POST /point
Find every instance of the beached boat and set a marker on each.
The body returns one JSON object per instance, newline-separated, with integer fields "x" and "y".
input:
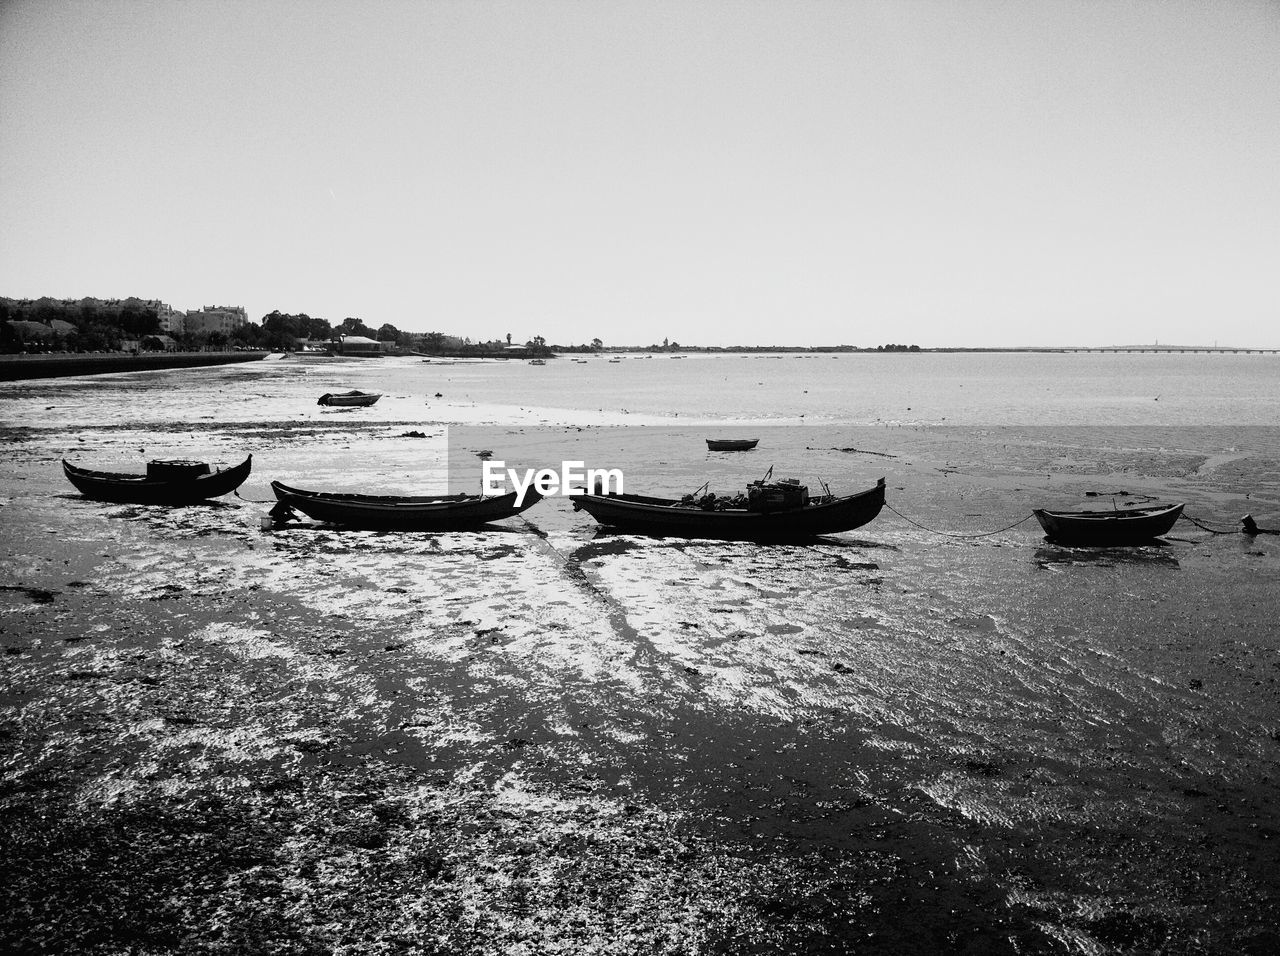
{"x": 732, "y": 444}
{"x": 825, "y": 514}
{"x": 351, "y": 399}
{"x": 403, "y": 512}
{"x": 165, "y": 482}
{"x": 1102, "y": 528}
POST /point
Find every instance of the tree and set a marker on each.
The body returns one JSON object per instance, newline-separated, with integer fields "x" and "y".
{"x": 508, "y": 338}
{"x": 597, "y": 344}
{"x": 280, "y": 331}
{"x": 314, "y": 328}
{"x": 353, "y": 326}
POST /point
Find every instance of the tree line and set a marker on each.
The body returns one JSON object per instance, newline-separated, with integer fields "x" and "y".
{"x": 108, "y": 325}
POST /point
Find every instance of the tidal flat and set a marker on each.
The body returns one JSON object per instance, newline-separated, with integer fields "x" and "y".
{"x": 217, "y": 737}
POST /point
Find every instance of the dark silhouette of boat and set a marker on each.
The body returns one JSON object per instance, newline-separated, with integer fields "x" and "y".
{"x": 1102, "y": 528}
{"x": 402, "y": 512}
{"x": 672, "y": 517}
{"x": 165, "y": 482}
{"x": 351, "y": 399}
{"x": 732, "y": 444}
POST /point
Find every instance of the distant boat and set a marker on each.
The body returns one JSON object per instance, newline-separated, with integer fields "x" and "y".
{"x": 165, "y": 483}
{"x": 732, "y": 444}
{"x": 672, "y": 517}
{"x": 537, "y": 361}
{"x": 351, "y": 399}
{"x": 1103, "y": 528}
{"x": 402, "y": 512}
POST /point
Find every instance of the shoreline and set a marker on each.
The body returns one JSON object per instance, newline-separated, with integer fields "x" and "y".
{"x": 19, "y": 367}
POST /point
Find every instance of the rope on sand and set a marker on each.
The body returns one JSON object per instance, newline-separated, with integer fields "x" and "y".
{"x": 1250, "y": 528}
{"x": 952, "y": 534}
{"x": 1204, "y": 527}
{"x": 255, "y": 501}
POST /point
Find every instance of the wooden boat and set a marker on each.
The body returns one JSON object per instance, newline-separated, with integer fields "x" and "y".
{"x": 165, "y": 483}
{"x": 826, "y": 514}
{"x": 732, "y": 444}
{"x": 1100, "y": 528}
{"x": 403, "y": 512}
{"x": 351, "y": 399}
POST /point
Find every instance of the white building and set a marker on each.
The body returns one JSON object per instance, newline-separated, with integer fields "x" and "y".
{"x": 172, "y": 322}
{"x": 215, "y": 318}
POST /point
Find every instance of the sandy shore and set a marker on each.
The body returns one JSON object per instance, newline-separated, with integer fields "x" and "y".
{"x": 215, "y": 738}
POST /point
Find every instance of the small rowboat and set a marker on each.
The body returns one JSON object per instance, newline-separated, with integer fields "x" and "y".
{"x": 402, "y": 512}
{"x": 732, "y": 444}
{"x": 351, "y": 399}
{"x": 826, "y": 514}
{"x": 165, "y": 483}
{"x": 1100, "y": 528}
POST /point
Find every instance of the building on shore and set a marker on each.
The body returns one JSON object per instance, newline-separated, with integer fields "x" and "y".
{"x": 172, "y": 321}
{"x": 215, "y": 318}
{"x": 357, "y": 345}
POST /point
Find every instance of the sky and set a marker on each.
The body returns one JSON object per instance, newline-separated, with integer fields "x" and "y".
{"x": 976, "y": 173}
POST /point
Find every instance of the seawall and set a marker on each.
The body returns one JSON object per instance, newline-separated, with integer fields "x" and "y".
{"x": 15, "y": 367}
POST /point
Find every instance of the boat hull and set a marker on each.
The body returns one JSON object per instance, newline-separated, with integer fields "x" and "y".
{"x": 732, "y": 444}
{"x": 402, "y": 512}
{"x": 349, "y": 399}
{"x": 142, "y": 490}
{"x": 1103, "y": 529}
{"x": 663, "y": 517}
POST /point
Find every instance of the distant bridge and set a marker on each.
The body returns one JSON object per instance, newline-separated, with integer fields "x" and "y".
{"x": 1122, "y": 348}
{"x": 1160, "y": 348}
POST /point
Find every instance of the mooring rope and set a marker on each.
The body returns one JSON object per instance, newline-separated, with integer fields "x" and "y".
{"x": 1202, "y": 527}
{"x": 1249, "y": 527}
{"x": 952, "y": 534}
{"x": 254, "y": 501}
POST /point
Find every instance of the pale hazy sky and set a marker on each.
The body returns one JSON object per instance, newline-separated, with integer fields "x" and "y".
{"x": 807, "y": 172}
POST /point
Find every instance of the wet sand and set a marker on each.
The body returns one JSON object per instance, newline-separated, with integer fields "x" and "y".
{"x": 217, "y": 738}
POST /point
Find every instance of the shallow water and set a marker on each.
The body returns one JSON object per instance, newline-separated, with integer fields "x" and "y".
{"x": 912, "y": 741}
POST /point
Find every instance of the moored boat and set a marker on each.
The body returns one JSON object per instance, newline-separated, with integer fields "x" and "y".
{"x": 165, "y": 482}
{"x": 403, "y": 512}
{"x": 673, "y": 517}
{"x": 351, "y": 399}
{"x": 1103, "y": 528}
{"x": 732, "y": 444}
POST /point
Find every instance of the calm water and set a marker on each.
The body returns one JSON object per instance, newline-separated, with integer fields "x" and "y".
{"x": 959, "y": 389}
{"x": 985, "y": 389}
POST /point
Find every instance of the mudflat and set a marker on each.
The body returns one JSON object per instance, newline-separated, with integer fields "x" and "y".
{"x": 216, "y": 737}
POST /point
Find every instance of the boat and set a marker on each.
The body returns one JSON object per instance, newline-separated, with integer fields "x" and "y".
{"x": 682, "y": 518}
{"x": 1100, "y": 528}
{"x": 537, "y": 361}
{"x": 165, "y": 482}
{"x": 400, "y": 512}
{"x": 351, "y": 399}
{"x": 732, "y": 444}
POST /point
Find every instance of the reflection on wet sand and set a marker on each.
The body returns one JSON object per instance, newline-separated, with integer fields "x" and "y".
{"x": 1155, "y": 553}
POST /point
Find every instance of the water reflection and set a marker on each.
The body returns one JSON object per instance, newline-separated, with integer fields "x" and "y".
{"x": 1155, "y": 554}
